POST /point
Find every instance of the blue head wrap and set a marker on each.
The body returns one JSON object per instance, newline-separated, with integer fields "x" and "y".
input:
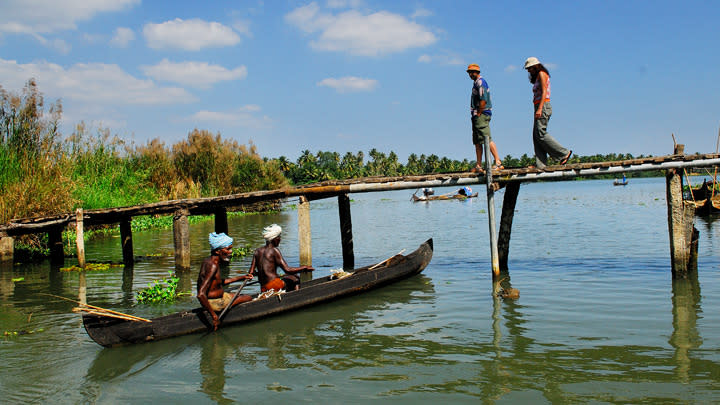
{"x": 468, "y": 191}
{"x": 219, "y": 240}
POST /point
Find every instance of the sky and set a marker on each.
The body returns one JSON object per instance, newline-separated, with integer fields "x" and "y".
{"x": 352, "y": 75}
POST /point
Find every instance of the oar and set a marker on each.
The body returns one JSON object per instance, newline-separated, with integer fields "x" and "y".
{"x": 385, "y": 261}
{"x": 220, "y": 317}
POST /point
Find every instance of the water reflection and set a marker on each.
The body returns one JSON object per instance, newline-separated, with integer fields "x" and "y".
{"x": 685, "y": 336}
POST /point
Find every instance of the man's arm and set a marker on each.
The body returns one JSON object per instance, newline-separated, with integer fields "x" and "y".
{"x": 209, "y": 274}
{"x": 543, "y": 77}
{"x": 280, "y": 260}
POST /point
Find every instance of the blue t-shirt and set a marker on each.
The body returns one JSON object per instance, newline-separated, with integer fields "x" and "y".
{"x": 480, "y": 91}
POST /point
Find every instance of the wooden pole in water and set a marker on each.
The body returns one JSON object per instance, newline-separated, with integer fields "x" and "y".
{"x": 7, "y": 247}
{"x": 126, "y": 240}
{"x": 57, "y": 255}
{"x": 80, "y": 237}
{"x": 181, "y": 237}
{"x": 491, "y": 211}
{"x": 304, "y": 233}
{"x": 508, "y": 212}
{"x": 221, "y": 221}
{"x": 346, "y": 236}
{"x": 680, "y": 223}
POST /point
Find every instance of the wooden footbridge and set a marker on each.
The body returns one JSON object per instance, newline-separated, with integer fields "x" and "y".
{"x": 680, "y": 214}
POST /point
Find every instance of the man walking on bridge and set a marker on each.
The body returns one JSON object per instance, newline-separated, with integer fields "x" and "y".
{"x": 480, "y": 114}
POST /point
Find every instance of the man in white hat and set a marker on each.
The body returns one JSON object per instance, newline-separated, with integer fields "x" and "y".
{"x": 543, "y": 143}
{"x": 268, "y": 258}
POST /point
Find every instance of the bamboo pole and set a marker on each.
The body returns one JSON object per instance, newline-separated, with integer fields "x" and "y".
{"x": 304, "y": 232}
{"x": 80, "y": 237}
{"x": 133, "y": 317}
{"x": 491, "y": 211}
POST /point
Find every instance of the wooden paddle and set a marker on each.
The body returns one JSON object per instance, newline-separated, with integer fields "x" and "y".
{"x": 220, "y": 317}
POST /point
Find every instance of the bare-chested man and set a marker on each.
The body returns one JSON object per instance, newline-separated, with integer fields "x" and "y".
{"x": 210, "y": 291}
{"x": 268, "y": 258}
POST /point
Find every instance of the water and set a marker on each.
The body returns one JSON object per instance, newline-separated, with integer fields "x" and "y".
{"x": 599, "y": 319}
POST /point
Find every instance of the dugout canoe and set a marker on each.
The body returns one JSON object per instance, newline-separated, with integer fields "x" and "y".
{"x": 415, "y": 198}
{"x": 111, "y": 332}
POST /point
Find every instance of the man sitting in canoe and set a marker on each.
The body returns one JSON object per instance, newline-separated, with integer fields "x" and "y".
{"x": 210, "y": 291}
{"x": 268, "y": 258}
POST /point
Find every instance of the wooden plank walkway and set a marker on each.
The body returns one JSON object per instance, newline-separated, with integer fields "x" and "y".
{"x": 333, "y": 188}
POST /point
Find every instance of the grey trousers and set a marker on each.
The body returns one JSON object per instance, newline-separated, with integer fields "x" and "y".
{"x": 542, "y": 141}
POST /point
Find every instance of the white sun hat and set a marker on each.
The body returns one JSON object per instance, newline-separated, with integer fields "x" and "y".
{"x": 531, "y": 61}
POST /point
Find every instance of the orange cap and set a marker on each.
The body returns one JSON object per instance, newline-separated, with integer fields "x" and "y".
{"x": 473, "y": 67}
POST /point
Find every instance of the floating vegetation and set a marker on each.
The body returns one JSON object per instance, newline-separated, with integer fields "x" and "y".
{"x": 15, "y": 280}
{"x": 241, "y": 251}
{"x": 93, "y": 266}
{"x": 12, "y": 334}
{"x": 160, "y": 291}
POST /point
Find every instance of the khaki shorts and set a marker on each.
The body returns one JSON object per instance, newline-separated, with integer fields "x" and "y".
{"x": 480, "y": 128}
{"x": 218, "y": 304}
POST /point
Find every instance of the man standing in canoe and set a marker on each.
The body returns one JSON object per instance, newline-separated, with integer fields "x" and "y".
{"x": 268, "y": 258}
{"x": 210, "y": 290}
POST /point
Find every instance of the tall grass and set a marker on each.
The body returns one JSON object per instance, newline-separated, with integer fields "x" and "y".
{"x": 43, "y": 173}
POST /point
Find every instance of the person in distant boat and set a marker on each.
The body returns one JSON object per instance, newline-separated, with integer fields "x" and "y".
{"x": 210, "y": 290}
{"x": 480, "y": 114}
{"x": 543, "y": 143}
{"x": 268, "y": 258}
{"x": 465, "y": 191}
{"x": 427, "y": 192}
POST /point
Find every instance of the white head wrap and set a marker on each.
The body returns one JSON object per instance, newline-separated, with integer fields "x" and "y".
{"x": 271, "y": 232}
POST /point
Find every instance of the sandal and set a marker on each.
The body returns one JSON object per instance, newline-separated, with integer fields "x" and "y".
{"x": 498, "y": 167}
{"x": 566, "y": 158}
{"x": 478, "y": 169}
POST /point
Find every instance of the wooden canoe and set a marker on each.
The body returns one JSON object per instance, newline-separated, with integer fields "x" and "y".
{"x": 110, "y": 332}
{"x": 415, "y": 198}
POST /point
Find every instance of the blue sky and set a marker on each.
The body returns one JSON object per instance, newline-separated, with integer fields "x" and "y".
{"x": 351, "y": 75}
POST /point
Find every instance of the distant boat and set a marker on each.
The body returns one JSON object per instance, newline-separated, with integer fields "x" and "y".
{"x": 461, "y": 194}
{"x": 622, "y": 182}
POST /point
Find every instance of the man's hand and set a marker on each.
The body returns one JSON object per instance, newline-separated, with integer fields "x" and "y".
{"x": 216, "y": 322}
{"x": 538, "y": 113}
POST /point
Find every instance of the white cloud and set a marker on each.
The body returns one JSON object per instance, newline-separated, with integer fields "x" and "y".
{"x": 195, "y": 74}
{"x": 47, "y": 16}
{"x": 90, "y": 83}
{"x": 122, "y": 37}
{"x": 421, "y": 12}
{"x": 247, "y": 116}
{"x": 442, "y": 59}
{"x": 349, "y": 84}
{"x": 511, "y": 68}
{"x": 344, "y": 3}
{"x": 189, "y": 35}
{"x": 359, "y": 34}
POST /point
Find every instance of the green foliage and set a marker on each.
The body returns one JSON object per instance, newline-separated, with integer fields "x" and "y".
{"x": 160, "y": 291}
{"x": 241, "y": 251}
{"x": 93, "y": 266}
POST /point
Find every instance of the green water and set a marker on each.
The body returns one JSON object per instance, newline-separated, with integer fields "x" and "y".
{"x": 599, "y": 319}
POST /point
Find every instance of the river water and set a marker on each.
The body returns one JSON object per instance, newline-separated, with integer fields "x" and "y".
{"x": 599, "y": 318}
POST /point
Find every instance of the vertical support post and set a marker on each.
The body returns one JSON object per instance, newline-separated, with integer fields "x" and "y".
{"x": 181, "y": 237}
{"x": 506, "y": 219}
{"x": 80, "y": 237}
{"x": 221, "y": 221}
{"x": 7, "y": 247}
{"x": 57, "y": 256}
{"x": 304, "y": 234}
{"x": 82, "y": 288}
{"x": 680, "y": 224}
{"x": 126, "y": 241}
{"x": 491, "y": 211}
{"x": 346, "y": 235}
